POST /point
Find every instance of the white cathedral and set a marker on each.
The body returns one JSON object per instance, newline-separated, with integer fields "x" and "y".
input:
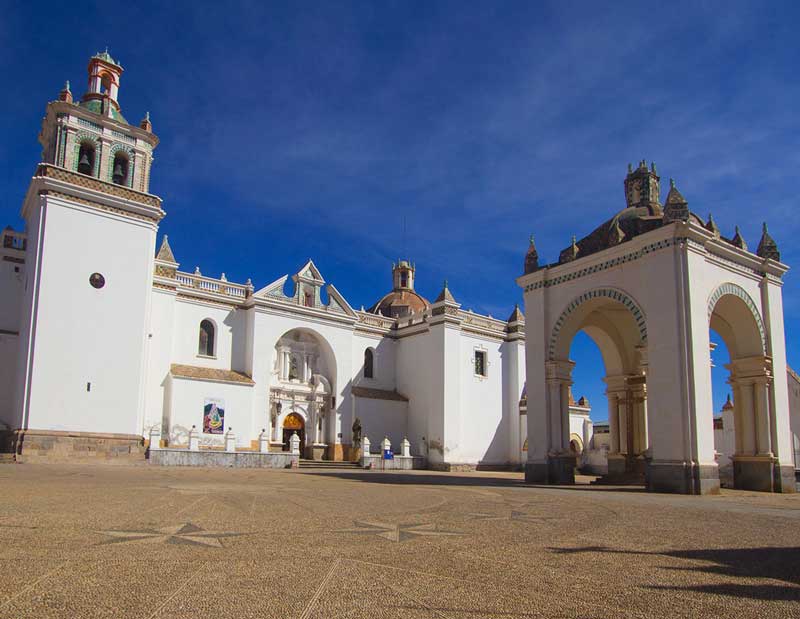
{"x": 106, "y": 345}
{"x": 104, "y": 338}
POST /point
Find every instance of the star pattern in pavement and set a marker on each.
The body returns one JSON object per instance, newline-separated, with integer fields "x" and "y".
{"x": 517, "y": 515}
{"x": 397, "y": 532}
{"x": 185, "y": 533}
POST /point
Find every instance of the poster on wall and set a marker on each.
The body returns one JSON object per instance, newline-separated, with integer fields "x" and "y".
{"x": 214, "y": 416}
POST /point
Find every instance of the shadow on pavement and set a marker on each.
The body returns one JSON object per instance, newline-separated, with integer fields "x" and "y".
{"x": 781, "y": 564}
{"x": 454, "y": 479}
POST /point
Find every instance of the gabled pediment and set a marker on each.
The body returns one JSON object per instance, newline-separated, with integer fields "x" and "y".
{"x": 275, "y": 289}
{"x": 337, "y": 303}
{"x": 310, "y": 273}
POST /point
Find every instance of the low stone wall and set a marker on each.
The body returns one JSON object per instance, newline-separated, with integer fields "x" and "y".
{"x": 226, "y": 459}
{"x": 398, "y": 463}
{"x": 466, "y": 467}
{"x": 62, "y": 447}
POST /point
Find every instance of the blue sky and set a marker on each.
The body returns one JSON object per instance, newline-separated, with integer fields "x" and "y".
{"x": 296, "y": 130}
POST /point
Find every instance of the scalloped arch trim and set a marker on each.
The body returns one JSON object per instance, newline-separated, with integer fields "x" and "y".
{"x": 738, "y": 291}
{"x": 609, "y": 293}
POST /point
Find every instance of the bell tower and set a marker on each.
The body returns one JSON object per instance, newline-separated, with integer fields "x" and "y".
{"x": 91, "y": 225}
{"x": 104, "y": 74}
{"x": 403, "y": 275}
{"x": 642, "y": 188}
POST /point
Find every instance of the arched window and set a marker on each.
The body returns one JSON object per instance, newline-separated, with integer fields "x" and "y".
{"x": 86, "y": 158}
{"x": 369, "y": 363}
{"x": 119, "y": 173}
{"x": 206, "y": 347}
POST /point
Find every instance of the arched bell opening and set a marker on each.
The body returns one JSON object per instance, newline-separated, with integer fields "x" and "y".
{"x": 616, "y": 325}
{"x": 735, "y": 319}
{"x": 87, "y": 154}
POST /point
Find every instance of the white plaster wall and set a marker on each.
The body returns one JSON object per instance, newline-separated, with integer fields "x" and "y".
{"x": 11, "y": 287}
{"x": 513, "y": 362}
{"x": 380, "y": 418}
{"x": 421, "y": 381}
{"x": 84, "y": 335}
{"x": 794, "y": 409}
{"x": 159, "y": 357}
{"x": 8, "y": 372}
{"x": 187, "y": 399}
{"x": 385, "y": 350}
{"x": 186, "y": 336}
{"x": 483, "y": 436}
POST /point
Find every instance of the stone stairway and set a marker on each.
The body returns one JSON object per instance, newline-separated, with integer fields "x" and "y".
{"x": 328, "y": 464}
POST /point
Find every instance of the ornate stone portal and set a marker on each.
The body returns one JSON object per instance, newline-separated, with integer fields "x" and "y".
{"x": 647, "y": 286}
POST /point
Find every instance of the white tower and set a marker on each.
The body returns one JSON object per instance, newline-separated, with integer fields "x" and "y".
{"x": 91, "y": 227}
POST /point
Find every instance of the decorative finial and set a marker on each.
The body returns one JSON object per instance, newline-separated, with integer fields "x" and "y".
{"x": 197, "y": 271}
{"x": 767, "y": 247}
{"x": 532, "y": 243}
{"x": 573, "y": 239}
{"x": 66, "y": 85}
{"x": 445, "y": 283}
{"x": 671, "y": 183}
{"x": 147, "y": 115}
{"x": 653, "y": 167}
{"x": 630, "y": 168}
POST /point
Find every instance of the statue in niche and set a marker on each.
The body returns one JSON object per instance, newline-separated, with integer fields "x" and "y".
{"x": 293, "y": 372}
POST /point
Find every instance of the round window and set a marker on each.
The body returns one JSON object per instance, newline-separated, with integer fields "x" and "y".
{"x": 97, "y": 280}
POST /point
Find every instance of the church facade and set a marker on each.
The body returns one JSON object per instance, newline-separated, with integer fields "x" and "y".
{"x": 105, "y": 339}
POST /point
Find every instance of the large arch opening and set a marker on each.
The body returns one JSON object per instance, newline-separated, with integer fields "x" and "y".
{"x": 303, "y": 383}
{"x": 735, "y": 321}
{"x": 616, "y": 325}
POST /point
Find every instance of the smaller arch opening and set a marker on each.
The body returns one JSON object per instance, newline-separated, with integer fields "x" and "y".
{"x": 369, "y": 363}
{"x": 86, "y": 157}
{"x": 105, "y": 83}
{"x": 119, "y": 171}
{"x": 207, "y": 338}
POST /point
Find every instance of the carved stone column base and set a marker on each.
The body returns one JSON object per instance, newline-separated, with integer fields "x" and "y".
{"x": 682, "y": 477}
{"x": 558, "y": 470}
{"x": 762, "y": 474}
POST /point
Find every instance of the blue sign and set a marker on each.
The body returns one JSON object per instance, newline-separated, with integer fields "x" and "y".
{"x": 387, "y": 454}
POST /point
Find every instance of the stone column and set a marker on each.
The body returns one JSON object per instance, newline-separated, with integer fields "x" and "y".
{"x": 613, "y": 421}
{"x": 763, "y": 431}
{"x": 276, "y": 413}
{"x": 561, "y": 461}
{"x": 747, "y": 417}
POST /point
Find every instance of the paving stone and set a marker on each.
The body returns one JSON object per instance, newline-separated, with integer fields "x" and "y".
{"x": 146, "y": 542}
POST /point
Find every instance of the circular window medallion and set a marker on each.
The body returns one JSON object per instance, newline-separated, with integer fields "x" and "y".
{"x": 97, "y": 280}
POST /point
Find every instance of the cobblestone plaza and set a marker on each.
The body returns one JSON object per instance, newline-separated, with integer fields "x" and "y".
{"x": 146, "y": 542}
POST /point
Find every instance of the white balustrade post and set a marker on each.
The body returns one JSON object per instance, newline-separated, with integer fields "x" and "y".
{"x": 155, "y": 438}
{"x": 263, "y": 441}
{"x": 194, "y": 439}
{"x": 230, "y": 440}
{"x": 405, "y": 448}
{"x": 294, "y": 444}
{"x": 364, "y": 446}
{"x": 386, "y": 444}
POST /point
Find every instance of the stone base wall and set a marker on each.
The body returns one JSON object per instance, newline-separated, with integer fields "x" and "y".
{"x": 398, "y": 463}
{"x": 468, "y": 467}
{"x": 682, "y": 477}
{"x": 56, "y": 447}
{"x": 224, "y": 459}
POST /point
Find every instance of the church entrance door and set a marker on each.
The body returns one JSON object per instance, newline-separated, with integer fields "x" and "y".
{"x": 293, "y": 423}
